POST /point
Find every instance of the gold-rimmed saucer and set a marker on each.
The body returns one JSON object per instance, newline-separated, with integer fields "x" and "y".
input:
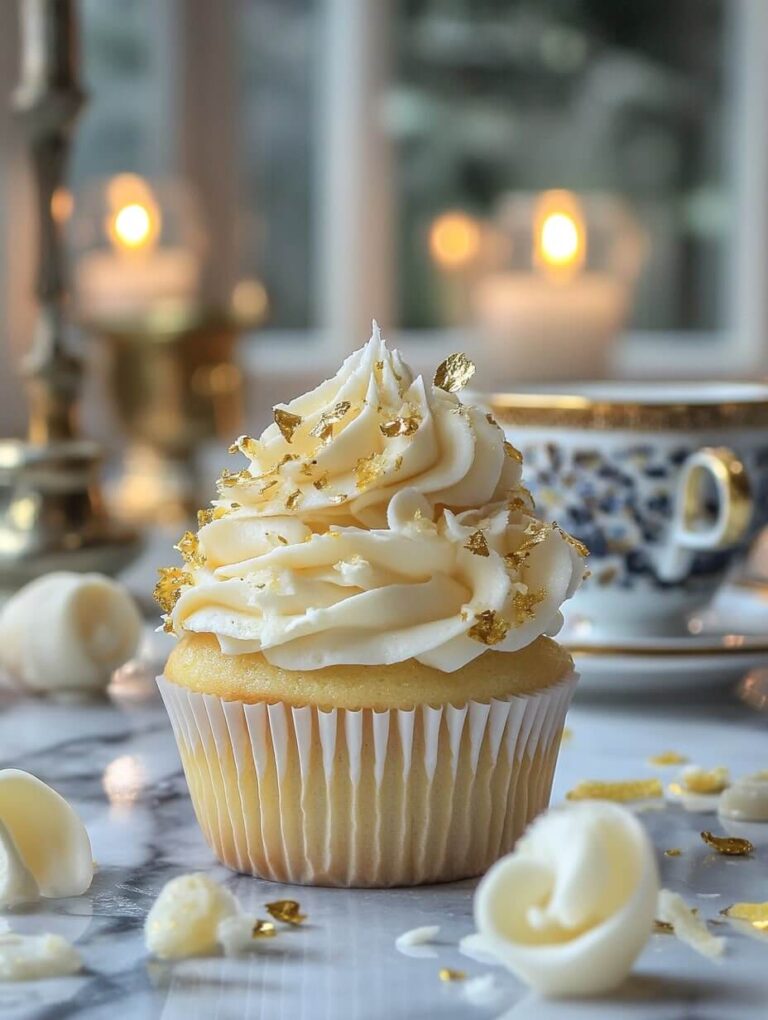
{"x": 689, "y": 663}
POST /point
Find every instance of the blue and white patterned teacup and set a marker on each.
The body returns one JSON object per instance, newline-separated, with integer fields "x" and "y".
{"x": 665, "y": 484}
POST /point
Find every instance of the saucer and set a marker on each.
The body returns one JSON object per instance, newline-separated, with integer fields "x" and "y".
{"x": 679, "y": 665}
{"x": 716, "y": 654}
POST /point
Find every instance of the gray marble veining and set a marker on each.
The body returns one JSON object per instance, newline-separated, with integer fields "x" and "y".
{"x": 116, "y": 762}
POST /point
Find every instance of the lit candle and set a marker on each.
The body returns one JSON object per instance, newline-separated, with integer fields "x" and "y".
{"x": 136, "y": 273}
{"x": 557, "y": 319}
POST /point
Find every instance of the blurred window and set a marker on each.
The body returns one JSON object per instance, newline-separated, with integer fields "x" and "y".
{"x": 486, "y": 97}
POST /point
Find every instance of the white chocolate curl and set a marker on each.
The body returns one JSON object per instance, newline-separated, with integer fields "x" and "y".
{"x": 571, "y": 908}
{"x": 68, "y": 631}
{"x": 413, "y": 554}
{"x": 44, "y": 848}
{"x": 185, "y": 918}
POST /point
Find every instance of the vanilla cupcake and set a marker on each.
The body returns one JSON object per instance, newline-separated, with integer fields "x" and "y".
{"x": 364, "y": 693}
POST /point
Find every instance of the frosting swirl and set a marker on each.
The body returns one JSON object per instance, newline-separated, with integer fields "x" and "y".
{"x": 379, "y": 520}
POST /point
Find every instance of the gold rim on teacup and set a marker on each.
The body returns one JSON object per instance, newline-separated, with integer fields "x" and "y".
{"x": 662, "y": 406}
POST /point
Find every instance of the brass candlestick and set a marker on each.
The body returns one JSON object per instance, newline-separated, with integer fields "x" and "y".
{"x": 52, "y": 516}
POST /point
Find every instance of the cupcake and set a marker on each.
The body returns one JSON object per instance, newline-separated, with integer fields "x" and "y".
{"x": 364, "y": 692}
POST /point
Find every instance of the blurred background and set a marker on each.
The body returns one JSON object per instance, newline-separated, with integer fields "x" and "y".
{"x": 562, "y": 188}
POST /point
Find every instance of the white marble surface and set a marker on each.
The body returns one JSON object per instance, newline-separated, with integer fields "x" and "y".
{"x": 117, "y": 763}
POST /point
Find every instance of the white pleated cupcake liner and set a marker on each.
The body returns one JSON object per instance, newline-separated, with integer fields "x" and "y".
{"x": 366, "y": 798}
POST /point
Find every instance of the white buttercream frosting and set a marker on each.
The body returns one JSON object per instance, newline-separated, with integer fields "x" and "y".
{"x": 67, "y": 631}
{"x": 44, "y": 847}
{"x": 381, "y": 520}
{"x": 572, "y": 907}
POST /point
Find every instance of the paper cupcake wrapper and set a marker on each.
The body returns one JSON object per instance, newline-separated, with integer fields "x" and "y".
{"x": 366, "y": 798}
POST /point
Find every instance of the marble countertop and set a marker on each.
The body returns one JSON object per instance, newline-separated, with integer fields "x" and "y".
{"x": 117, "y": 763}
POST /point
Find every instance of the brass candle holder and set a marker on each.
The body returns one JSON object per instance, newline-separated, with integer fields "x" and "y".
{"x": 174, "y": 384}
{"x": 52, "y": 514}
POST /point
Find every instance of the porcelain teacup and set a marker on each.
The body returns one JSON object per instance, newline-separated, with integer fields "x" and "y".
{"x": 665, "y": 484}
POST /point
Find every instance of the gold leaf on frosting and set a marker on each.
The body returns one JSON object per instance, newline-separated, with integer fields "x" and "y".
{"x": 189, "y": 547}
{"x": 368, "y": 469}
{"x": 286, "y": 422}
{"x": 340, "y": 497}
{"x": 323, "y": 430}
{"x": 287, "y": 911}
{"x": 489, "y": 628}
{"x": 321, "y": 482}
{"x": 524, "y": 604}
{"x": 674, "y": 851}
{"x": 246, "y": 444}
{"x": 405, "y": 426}
{"x": 574, "y": 543}
{"x": 214, "y": 513}
{"x": 512, "y": 452}
{"x": 729, "y": 846}
{"x": 621, "y": 791}
{"x": 454, "y": 373}
{"x": 477, "y": 544}
{"x": 707, "y": 781}
{"x": 292, "y": 500}
{"x": 168, "y": 588}
{"x": 229, "y": 479}
{"x": 269, "y": 485}
{"x": 285, "y": 459}
{"x": 263, "y": 929}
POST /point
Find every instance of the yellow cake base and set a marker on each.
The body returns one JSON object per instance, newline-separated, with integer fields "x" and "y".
{"x": 368, "y": 796}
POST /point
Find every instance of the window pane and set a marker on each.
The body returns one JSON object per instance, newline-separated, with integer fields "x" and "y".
{"x": 627, "y": 98}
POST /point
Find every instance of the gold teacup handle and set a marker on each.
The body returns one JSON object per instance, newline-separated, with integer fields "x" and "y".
{"x": 691, "y": 531}
{"x": 734, "y": 500}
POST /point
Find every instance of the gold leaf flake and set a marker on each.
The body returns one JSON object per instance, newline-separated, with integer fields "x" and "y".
{"x": 323, "y": 430}
{"x": 449, "y": 974}
{"x": 306, "y": 468}
{"x": 710, "y": 781}
{"x": 574, "y": 543}
{"x": 454, "y": 373}
{"x": 663, "y": 928}
{"x": 285, "y": 459}
{"x": 340, "y": 497}
{"x": 512, "y": 452}
{"x": 489, "y": 628}
{"x": 397, "y": 463}
{"x": 621, "y": 791}
{"x": 477, "y": 544}
{"x": 268, "y": 485}
{"x": 287, "y": 911}
{"x": 229, "y": 479}
{"x": 292, "y": 500}
{"x": 168, "y": 588}
{"x": 263, "y": 929}
{"x": 524, "y": 604}
{"x": 667, "y": 758}
{"x": 321, "y": 482}
{"x": 491, "y": 420}
{"x": 755, "y": 913}
{"x": 286, "y": 422}
{"x": 189, "y": 547}
{"x": 729, "y": 846}
{"x": 247, "y": 445}
{"x": 167, "y": 625}
{"x": 674, "y": 851}
{"x": 368, "y": 469}
{"x": 400, "y": 426}
{"x": 214, "y": 513}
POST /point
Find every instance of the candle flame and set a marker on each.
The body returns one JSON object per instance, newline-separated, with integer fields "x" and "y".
{"x": 559, "y": 234}
{"x": 133, "y": 221}
{"x": 133, "y": 225}
{"x": 454, "y": 239}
